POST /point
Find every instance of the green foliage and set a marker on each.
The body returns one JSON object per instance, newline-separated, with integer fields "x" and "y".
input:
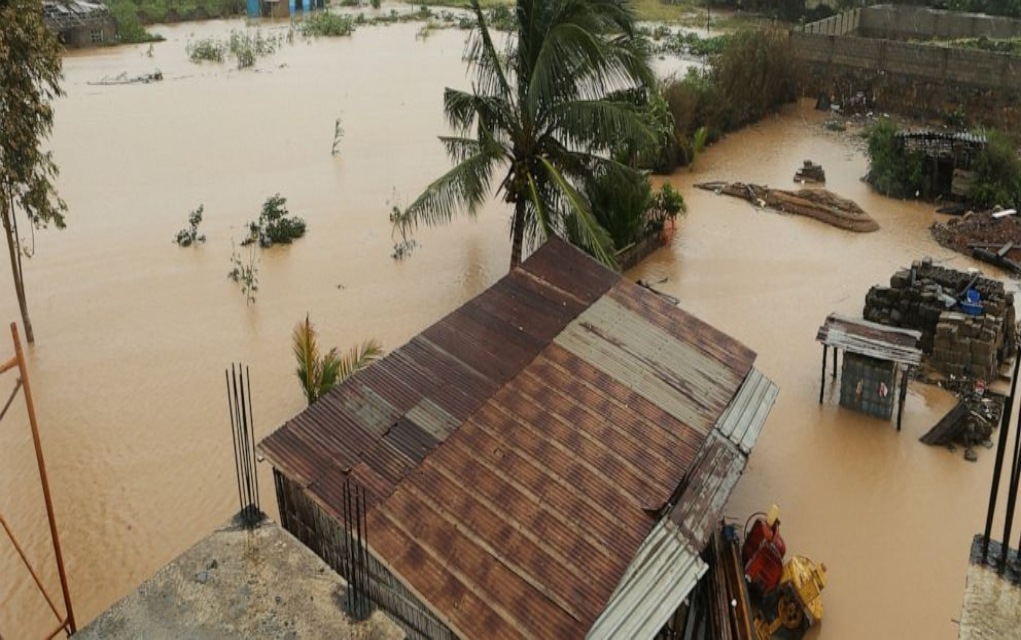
{"x": 756, "y": 73}
{"x": 30, "y": 67}
{"x": 400, "y": 225}
{"x": 628, "y": 209}
{"x": 752, "y": 76}
{"x": 206, "y": 50}
{"x": 325, "y": 24}
{"x": 997, "y": 173}
{"x": 274, "y": 226}
{"x": 129, "y": 27}
{"x": 243, "y": 45}
{"x": 245, "y": 271}
{"x": 892, "y": 171}
{"x": 190, "y": 235}
{"x": 319, "y": 373}
{"x": 544, "y": 109}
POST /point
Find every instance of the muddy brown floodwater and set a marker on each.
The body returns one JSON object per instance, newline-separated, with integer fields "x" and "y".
{"x": 134, "y": 333}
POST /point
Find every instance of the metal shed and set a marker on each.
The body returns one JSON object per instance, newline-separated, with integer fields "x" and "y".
{"x": 547, "y": 461}
{"x": 874, "y": 355}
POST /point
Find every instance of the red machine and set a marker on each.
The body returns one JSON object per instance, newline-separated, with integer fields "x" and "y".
{"x": 763, "y": 552}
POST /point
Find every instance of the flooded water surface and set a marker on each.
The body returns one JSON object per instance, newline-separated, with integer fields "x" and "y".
{"x": 133, "y": 333}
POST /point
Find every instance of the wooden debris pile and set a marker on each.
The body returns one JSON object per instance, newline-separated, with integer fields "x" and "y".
{"x": 815, "y": 203}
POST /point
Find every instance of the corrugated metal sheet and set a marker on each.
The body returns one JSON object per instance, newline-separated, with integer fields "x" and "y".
{"x": 743, "y": 419}
{"x": 665, "y": 570}
{"x": 871, "y": 339}
{"x": 679, "y": 376}
{"x": 707, "y": 489}
{"x": 519, "y": 452}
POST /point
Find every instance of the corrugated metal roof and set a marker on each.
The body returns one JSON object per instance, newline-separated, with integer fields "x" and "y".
{"x": 665, "y": 570}
{"x": 518, "y": 453}
{"x": 743, "y": 419}
{"x": 871, "y": 339}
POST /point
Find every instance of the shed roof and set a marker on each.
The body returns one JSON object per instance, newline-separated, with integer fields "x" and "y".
{"x": 518, "y": 453}
{"x": 871, "y": 339}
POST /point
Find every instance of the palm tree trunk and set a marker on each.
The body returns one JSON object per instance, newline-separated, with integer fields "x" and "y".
{"x": 19, "y": 283}
{"x": 517, "y": 232}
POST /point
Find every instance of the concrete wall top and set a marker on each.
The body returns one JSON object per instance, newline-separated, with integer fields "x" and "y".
{"x": 902, "y": 22}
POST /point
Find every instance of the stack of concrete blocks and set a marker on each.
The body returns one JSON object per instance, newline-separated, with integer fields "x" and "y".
{"x": 959, "y": 344}
{"x": 867, "y": 385}
{"x": 967, "y": 346}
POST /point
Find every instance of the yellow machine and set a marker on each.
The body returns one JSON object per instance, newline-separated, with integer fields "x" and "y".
{"x": 795, "y": 605}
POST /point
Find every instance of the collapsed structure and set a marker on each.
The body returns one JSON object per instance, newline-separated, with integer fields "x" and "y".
{"x": 549, "y": 460}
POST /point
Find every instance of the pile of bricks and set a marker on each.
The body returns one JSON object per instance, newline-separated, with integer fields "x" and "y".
{"x": 959, "y": 344}
{"x": 967, "y": 345}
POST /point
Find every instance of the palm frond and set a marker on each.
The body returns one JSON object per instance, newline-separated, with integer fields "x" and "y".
{"x": 464, "y": 187}
{"x": 594, "y": 238}
{"x": 306, "y": 352}
{"x": 483, "y": 58}
{"x": 357, "y": 358}
{"x": 596, "y": 124}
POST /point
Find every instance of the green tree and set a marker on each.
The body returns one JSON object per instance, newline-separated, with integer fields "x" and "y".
{"x": 997, "y": 173}
{"x": 318, "y": 374}
{"x": 30, "y": 79}
{"x": 544, "y": 109}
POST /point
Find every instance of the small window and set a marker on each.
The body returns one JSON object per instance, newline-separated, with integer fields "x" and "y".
{"x": 96, "y": 36}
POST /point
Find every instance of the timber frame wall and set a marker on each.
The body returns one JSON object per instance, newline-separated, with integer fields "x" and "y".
{"x": 325, "y": 535}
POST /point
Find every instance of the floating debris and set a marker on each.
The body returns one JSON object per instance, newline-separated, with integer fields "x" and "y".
{"x": 815, "y": 203}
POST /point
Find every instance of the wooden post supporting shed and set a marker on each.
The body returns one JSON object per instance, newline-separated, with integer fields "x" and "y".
{"x": 873, "y": 356}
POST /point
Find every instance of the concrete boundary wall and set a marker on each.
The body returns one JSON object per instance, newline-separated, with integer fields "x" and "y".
{"x": 841, "y": 24}
{"x": 901, "y": 22}
{"x": 982, "y": 69}
{"x": 913, "y": 79}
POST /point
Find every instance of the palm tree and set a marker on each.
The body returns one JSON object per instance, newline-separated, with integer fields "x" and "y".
{"x": 319, "y": 374}
{"x": 547, "y": 109}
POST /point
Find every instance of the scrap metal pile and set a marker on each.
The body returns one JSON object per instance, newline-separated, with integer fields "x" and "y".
{"x": 989, "y": 236}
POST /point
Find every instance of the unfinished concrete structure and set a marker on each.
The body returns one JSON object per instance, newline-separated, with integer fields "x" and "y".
{"x": 547, "y": 461}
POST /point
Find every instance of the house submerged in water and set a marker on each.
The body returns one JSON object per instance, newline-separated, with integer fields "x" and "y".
{"x": 80, "y": 23}
{"x": 547, "y": 461}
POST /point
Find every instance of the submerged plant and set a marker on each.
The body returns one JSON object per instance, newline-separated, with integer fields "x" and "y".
{"x": 245, "y": 271}
{"x": 275, "y": 224}
{"x": 189, "y": 236}
{"x": 329, "y": 25}
{"x": 338, "y": 135}
{"x": 318, "y": 374}
{"x": 400, "y": 225}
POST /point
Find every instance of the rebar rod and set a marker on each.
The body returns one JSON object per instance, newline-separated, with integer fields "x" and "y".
{"x": 44, "y": 480}
{"x": 1005, "y": 419}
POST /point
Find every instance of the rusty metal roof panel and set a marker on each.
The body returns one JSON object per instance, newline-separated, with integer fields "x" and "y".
{"x": 728, "y": 352}
{"x": 744, "y": 417}
{"x": 664, "y": 571}
{"x": 410, "y": 440}
{"x": 871, "y": 339}
{"x": 680, "y": 377}
{"x": 708, "y": 488}
{"x": 532, "y": 440}
{"x": 557, "y": 264}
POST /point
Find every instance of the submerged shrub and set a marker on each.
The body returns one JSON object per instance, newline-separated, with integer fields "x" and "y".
{"x": 997, "y": 173}
{"x": 275, "y": 226}
{"x": 189, "y": 236}
{"x": 892, "y": 170}
{"x": 330, "y": 25}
